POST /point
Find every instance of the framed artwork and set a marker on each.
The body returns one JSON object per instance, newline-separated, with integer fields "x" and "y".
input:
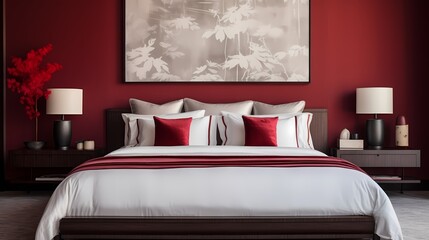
{"x": 217, "y": 41}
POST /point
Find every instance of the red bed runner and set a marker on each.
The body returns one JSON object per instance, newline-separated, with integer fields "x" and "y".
{"x": 161, "y": 162}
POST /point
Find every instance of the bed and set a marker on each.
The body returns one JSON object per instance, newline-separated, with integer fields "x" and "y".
{"x": 261, "y": 223}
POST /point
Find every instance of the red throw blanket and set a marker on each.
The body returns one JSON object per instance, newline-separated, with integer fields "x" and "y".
{"x": 160, "y": 162}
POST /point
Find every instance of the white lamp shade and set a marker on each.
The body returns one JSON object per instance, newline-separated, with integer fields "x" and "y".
{"x": 64, "y": 101}
{"x": 374, "y": 100}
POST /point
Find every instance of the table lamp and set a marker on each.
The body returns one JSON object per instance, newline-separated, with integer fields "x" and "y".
{"x": 374, "y": 100}
{"x": 64, "y": 101}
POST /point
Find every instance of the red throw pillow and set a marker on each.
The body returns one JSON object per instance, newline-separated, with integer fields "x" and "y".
{"x": 172, "y": 132}
{"x": 260, "y": 131}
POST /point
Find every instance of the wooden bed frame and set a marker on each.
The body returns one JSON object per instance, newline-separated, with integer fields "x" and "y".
{"x": 329, "y": 227}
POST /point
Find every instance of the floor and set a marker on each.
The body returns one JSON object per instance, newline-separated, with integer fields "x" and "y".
{"x": 20, "y": 213}
{"x": 412, "y": 209}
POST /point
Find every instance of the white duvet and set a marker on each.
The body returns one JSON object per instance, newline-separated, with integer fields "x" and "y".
{"x": 219, "y": 191}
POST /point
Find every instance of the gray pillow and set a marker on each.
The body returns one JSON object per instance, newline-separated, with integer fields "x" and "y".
{"x": 260, "y": 108}
{"x": 147, "y": 108}
{"x": 244, "y": 107}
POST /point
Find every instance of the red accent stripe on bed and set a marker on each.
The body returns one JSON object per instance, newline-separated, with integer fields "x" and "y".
{"x": 309, "y": 117}
{"x": 162, "y": 162}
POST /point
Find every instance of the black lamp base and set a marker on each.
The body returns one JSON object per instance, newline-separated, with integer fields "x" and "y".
{"x": 62, "y": 134}
{"x": 374, "y": 147}
{"x": 375, "y": 133}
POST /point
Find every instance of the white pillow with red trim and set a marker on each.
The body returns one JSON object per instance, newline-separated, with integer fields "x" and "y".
{"x": 293, "y": 130}
{"x": 201, "y": 132}
{"x": 132, "y": 131}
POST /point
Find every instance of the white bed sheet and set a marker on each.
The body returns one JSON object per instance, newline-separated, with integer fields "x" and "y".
{"x": 220, "y": 191}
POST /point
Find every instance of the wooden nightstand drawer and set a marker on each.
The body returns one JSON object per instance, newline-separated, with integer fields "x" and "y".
{"x": 383, "y": 160}
{"x": 30, "y": 165}
{"x": 24, "y": 158}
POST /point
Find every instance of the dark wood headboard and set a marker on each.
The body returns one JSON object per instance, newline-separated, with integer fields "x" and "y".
{"x": 115, "y": 128}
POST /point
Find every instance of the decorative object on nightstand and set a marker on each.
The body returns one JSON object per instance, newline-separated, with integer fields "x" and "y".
{"x": 79, "y": 145}
{"x": 64, "y": 101}
{"x": 350, "y": 144}
{"x": 354, "y": 136}
{"x": 401, "y": 135}
{"x": 89, "y": 145}
{"x": 374, "y": 100}
{"x": 344, "y": 142}
{"x": 28, "y": 78}
{"x": 345, "y": 134}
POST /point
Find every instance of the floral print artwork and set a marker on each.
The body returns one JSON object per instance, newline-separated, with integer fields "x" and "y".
{"x": 217, "y": 40}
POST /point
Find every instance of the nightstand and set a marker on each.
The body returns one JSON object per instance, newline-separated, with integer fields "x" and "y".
{"x": 31, "y": 165}
{"x": 385, "y": 158}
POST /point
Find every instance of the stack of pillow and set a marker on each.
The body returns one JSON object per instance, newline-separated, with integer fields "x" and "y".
{"x": 283, "y": 125}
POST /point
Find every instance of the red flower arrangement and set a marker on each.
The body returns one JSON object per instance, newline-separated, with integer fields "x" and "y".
{"x": 28, "y": 78}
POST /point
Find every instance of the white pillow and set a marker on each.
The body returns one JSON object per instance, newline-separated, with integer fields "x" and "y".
{"x": 260, "y": 108}
{"x": 148, "y": 108}
{"x": 201, "y": 132}
{"x": 131, "y": 129}
{"x": 244, "y": 107}
{"x": 293, "y": 130}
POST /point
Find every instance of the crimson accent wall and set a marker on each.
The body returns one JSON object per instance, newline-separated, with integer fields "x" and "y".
{"x": 354, "y": 43}
{"x": 2, "y": 97}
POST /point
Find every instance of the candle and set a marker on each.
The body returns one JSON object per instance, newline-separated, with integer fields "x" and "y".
{"x": 89, "y": 145}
